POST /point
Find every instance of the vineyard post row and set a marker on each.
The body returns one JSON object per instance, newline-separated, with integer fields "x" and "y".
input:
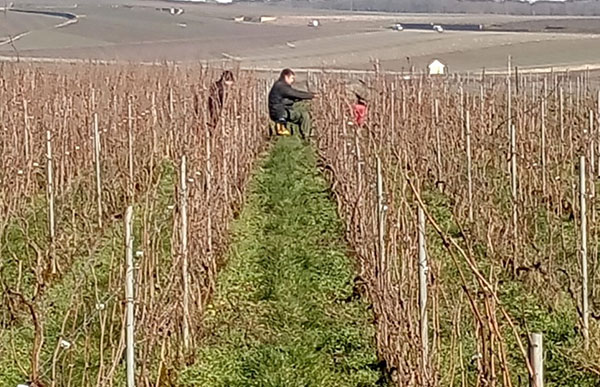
{"x": 138, "y": 123}
{"x": 548, "y": 129}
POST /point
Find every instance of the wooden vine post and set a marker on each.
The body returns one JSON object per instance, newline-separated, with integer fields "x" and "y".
{"x": 129, "y": 297}
{"x": 50, "y": 192}
{"x": 469, "y": 163}
{"x": 131, "y": 184}
{"x": 536, "y": 359}
{"x": 514, "y": 190}
{"x": 423, "y": 269}
{"x": 97, "y": 164}
{"x": 184, "y": 254}
{"x": 381, "y": 209}
{"x": 543, "y": 150}
{"x": 584, "y": 268}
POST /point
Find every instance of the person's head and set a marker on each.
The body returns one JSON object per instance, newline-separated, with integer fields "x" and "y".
{"x": 288, "y": 76}
{"x": 360, "y": 100}
{"x": 227, "y": 77}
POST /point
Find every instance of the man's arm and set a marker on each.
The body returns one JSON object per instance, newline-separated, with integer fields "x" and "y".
{"x": 289, "y": 92}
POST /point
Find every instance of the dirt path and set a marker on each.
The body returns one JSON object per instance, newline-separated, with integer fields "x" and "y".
{"x": 285, "y": 312}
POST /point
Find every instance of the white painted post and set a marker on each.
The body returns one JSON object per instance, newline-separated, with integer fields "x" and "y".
{"x": 536, "y": 359}
{"x": 97, "y": 161}
{"x": 423, "y": 269}
{"x": 584, "y": 271}
{"x": 184, "y": 253}
{"x": 381, "y": 209}
{"x": 469, "y": 163}
{"x": 129, "y": 296}
{"x": 50, "y": 190}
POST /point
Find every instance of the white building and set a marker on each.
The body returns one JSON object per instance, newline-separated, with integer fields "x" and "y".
{"x": 437, "y": 68}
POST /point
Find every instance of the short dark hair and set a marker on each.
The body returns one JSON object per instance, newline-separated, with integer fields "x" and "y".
{"x": 286, "y": 73}
{"x": 227, "y": 76}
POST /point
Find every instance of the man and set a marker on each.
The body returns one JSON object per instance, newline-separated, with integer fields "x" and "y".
{"x": 284, "y": 106}
{"x": 216, "y": 97}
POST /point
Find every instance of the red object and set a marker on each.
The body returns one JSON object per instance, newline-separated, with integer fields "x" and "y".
{"x": 359, "y": 111}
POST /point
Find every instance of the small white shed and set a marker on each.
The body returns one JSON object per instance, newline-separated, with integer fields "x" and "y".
{"x": 437, "y": 68}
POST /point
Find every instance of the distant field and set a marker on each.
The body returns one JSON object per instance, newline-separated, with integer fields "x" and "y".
{"x": 14, "y": 24}
{"x": 138, "y": 32}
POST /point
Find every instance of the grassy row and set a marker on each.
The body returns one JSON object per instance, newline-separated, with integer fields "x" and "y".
{"x": 530, "y": 311}
{"x": 88, "y": 283}
{"x": 285, "y": 312}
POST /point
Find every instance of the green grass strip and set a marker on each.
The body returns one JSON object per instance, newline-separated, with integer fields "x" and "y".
{"x": 285, "y": 313}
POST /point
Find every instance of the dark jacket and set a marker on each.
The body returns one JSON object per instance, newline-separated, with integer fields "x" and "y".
{"x": 282, "y": 96}
{"x": 216, "y": 98}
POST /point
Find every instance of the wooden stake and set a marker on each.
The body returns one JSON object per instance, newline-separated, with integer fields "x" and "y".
{"x": 403, "y": 102}
{"x": 509, "y": 99}
{"x": 184, "y": 254}
{"x": 536, "y": 358}
{"x": 598, "y": 133}
{"x": 129, "y": 296}
{"x": 481, "y": 100}
{"x": 97, "y": 162}
{"x": 592, "y": 137}
{"x": 469, "y": 163}
{"x": 26, "y": 132}
{"x": 584, "y": 271}
{"x": 462, "y": 107}
{"x": 381, "y": 209}
{"x": 423, "y": 269}
{"x": 513, "y": 163}
{"x": 208, "y": 190}
{"x": 438, "y": 139}
{"x": 543, "y": 146}
{"x": 50, "y": 190}
{"x": 561, "y": 113}
{"x": 130, "y": 151}
{"x": 359, "y": 162}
